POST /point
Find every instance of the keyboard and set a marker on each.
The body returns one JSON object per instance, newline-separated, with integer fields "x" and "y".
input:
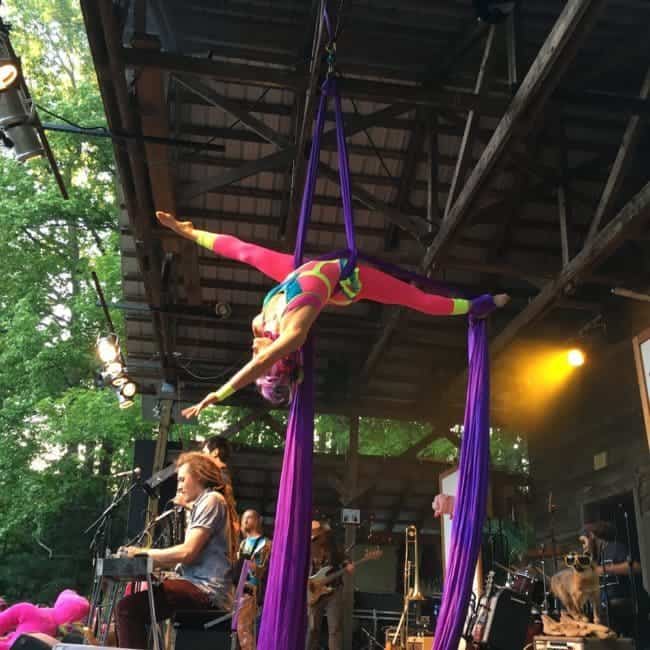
{"x": 125, "y": 568}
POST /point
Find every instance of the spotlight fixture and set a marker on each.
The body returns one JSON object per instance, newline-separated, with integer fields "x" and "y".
{"x": 9, "y": 65}
{"x": 223, "y": 310}
{"x": 114, "y": 369}
{"x": 575, "y": 357}
{"x": 129, "y": 389}
{"x": 25, "y": 141}
{"x": 124, "y": 402}
{"x": 108, "y": 348}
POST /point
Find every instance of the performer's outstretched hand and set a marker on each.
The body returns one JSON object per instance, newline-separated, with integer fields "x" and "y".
{"x": 193, "y": 411}
{"x": 169, "y": 221}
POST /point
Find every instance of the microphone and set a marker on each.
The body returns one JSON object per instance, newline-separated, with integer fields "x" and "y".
{"x": 148, "y": 489}
{"x": 164, "y": 515}
{"x": 135, "y": 473}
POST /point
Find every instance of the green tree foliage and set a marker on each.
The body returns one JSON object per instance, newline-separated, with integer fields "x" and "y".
{"x": 60, "y": 437}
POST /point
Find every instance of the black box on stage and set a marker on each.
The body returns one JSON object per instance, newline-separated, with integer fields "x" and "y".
{"x": 581, "y": 643}
{"x": 29, "y": 642}
{"x": 192, "y": 635}
{"x": 507, "y": 621}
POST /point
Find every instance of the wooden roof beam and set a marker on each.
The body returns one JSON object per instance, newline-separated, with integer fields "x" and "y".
{"x": 571, "y": 28}
{"x": 104, "y": 39}
{"x": 624, "y": 156}
{"x": 152, "y": 101}
{"x": 634, "y": 215}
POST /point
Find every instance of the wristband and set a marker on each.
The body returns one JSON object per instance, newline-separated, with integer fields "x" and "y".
{"x": 205, "y": 239}
{"x": 224, "y": 392}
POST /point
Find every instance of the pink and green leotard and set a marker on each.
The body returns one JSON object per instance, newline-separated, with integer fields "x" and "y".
{"x": 319, "y": 283}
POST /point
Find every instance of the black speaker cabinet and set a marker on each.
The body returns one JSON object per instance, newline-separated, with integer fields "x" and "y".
{"x": 507, "y": 621}
{"x": 33, "y": 642}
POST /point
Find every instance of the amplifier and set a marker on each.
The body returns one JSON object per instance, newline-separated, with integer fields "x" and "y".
{"x": 507, "y": 621}
{"x": 419, "y": 643}
{"x": 581, "y": 643}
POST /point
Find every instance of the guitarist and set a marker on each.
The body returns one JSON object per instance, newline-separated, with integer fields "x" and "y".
{"x": 326, "y": 553}
{"x": 256, "y": 548}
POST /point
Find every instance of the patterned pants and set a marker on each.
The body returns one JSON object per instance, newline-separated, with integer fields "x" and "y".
{"x": 246, "y": 622}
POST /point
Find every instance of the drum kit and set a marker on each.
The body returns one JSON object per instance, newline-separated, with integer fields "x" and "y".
{"x": 514, "y": 608}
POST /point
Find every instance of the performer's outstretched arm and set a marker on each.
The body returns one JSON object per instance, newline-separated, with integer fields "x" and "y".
{"x": 291, "y": 339}
{"x": 273, "y": 264}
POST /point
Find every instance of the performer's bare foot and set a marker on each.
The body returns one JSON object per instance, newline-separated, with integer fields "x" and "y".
{"x": 169, "y": 221}
{"x": 501, "y": 299}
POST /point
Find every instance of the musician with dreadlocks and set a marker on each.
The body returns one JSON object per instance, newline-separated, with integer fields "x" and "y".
{"x": 290, "y": 309}
{"x": 203, "y": 561}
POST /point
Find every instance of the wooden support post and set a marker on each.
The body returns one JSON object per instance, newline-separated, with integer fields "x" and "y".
{"x": 351, "y": 482}
{"x": 160, "y": 451}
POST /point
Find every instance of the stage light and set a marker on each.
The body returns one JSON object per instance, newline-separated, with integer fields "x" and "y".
{"x": 8, "y": 74}
{"x": 129, "y": 389}
{"x": 575, "y": 357}
{"x": 9, "y": 65}
{"x": 26, "y": 143}
{"x": 108, "y": 348}
{"x": 13, "y": 109}
{"x": 114, "y": 369}
{"x": 124, "y": 402}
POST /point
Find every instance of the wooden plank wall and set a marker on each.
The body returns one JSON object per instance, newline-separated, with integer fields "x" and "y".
{"x": 601, "y": 414}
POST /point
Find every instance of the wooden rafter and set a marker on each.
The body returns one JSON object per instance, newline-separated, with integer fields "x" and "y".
{"x": 635, "y": 214}
{"x": 633, "y": 131}
{"x": 570, "y": 29}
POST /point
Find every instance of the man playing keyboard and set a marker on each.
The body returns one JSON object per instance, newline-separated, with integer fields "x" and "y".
{"x": 203, "y": 562}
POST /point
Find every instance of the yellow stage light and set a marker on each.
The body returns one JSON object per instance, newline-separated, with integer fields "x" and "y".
{"x": 575, "y": 357}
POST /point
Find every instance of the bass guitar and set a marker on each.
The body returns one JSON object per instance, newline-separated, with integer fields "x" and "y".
{"x": 318, "y": 583}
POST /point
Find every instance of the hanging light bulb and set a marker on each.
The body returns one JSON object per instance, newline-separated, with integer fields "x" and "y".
{"x": 108, "y": 348}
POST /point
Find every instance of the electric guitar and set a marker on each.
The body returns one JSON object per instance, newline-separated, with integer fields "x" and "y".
{"x": 318, "y": 583}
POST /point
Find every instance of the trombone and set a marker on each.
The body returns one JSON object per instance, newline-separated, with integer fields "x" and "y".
{"x": 412, "y": 591}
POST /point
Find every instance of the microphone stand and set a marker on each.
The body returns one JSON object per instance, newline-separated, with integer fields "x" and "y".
{"x": 99, "y": 546}
{"x": 633, "y": 591}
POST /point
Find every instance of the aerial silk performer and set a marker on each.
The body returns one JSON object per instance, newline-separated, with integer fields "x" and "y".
{"x": 282, "y": 367}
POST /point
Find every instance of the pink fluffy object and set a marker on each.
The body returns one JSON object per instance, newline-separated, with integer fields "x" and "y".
{"x": 25, "y": 618}
{"x": 443, "y": 504}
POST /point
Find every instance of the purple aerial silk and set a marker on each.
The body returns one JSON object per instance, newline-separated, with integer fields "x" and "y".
{"x": 471, "y": 500}
{"x": 284, "y": 617}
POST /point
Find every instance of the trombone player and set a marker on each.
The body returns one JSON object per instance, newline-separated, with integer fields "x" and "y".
{"x": 326, "y": 553}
